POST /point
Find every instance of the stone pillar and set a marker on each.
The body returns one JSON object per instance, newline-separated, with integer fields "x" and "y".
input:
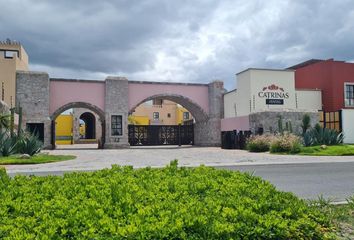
{"x": 208, "y": 132}
{"x": 32, "y": 94}
{"x": 116, "y": 103}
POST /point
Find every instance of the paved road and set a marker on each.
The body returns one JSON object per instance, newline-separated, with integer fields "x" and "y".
{"x": 332, "y": 180}
{"x": 309, "y": 180}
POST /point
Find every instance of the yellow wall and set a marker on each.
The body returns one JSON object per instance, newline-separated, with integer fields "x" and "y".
{"x": 64, "y": 129}
{"x": 170, "y": 113}
{"x": 179, "y": 115}
{"x": 139, "y": 120}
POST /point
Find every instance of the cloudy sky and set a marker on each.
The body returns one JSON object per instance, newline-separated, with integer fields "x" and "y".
{"x": 181, "y": 40}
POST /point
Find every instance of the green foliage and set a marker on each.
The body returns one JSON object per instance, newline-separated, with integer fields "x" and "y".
{"x": 280, "y": 125}
{"x": 7, "y": 144}
{"x": 322, "y": 136}
{"x": 25, "y": 143}
{"x": 306, "y": 120}
{"x": 288, "y": 126}
{"x": 286, "y": 143}
{"x": 259, "y": 143}
{"x": 168, "y": 203}
{"x": 28, "y": 143}
{"x": 341, "y": 216}
{"x": 4, "y": 121}
{"x": 335, "y": 150}
{"x": 36, "y": 159}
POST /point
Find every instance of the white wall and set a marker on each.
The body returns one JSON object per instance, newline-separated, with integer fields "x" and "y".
{"x": 243, "y": 98}
{"x": 309, "y": 99}
{"x": 230, "y": 104}
{"x": 347, "y": 125}
{"x": 260, "y": 79}
{"x": 253, "y": 91}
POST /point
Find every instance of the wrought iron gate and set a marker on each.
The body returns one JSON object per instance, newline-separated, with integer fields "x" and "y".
{"x": 145, "y": 135}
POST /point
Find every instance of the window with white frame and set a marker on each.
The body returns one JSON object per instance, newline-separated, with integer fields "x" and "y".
{"x": 116, "y": 125}
{"x": 349, "y": 95}
{"x": 156, "y": 116}
{"x": 185, "y": 115}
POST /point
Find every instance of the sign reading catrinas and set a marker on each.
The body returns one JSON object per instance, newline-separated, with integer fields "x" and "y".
{"x": 273, "y": 94}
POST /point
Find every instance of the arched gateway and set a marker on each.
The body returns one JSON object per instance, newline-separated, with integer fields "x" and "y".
{"x": 43, "y": 99}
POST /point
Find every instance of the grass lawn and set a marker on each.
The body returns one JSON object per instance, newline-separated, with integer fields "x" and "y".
{"x": 40, "y": 158}
{"x": 337, "y": 150}
{"x": 342, "y": 217}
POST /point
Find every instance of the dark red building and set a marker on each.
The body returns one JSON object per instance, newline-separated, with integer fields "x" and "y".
{"x": 334, "y": 78}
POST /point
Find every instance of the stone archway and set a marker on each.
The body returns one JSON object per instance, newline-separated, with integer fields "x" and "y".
{"x": 89, "y": 106}
{"x": 199, "y": 114}
{"x": 90, "y": 125}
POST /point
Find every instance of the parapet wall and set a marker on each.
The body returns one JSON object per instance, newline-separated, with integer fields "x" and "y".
{"x": 268, "y": 120}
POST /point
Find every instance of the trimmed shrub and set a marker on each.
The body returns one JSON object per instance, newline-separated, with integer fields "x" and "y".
{"x": 168, "y": 203}
{"x": 259, "y": 143}
{"x": 286, "y": 143}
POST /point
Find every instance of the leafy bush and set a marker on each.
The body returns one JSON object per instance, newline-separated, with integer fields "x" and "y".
{"x": 168, "y": 203}
{"x": 7, "y": 144}
{"x": 259, "y": 143}
{"x": 322, "y": 136}
{"x": 306, "y": 123}
{"x": 4, "y": 121}
{"x": 29, "y": 143}
{"x": 286, "y": 143}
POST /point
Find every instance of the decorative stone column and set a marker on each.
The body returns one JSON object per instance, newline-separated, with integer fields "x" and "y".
{"x": 32, "y": 94}
{"x": 116, "y": 103}
{"x": 208, "y": 132}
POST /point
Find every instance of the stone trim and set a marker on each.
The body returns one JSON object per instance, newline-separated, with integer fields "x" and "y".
{"x": 168, "y": 83}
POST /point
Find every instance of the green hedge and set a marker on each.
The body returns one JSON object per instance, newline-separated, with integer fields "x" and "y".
{"x": 168, "y": 203}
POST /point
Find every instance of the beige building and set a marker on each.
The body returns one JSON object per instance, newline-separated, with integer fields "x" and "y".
{"x": 160, "y": 112}
{"x": 13, "y": 57}
{"x": 260, "y": 90}
{"x": 266, "y": 96}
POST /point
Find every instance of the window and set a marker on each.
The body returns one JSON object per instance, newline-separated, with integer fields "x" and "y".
{"x": 10, "y": 54}
{"x": 157, "y": 102}
{"x": 168, "y": 115}
{"x": 185, "y": 115}
{"x": 156, "y": 116}
{"x": 349, "y": 95}
{"x": 116, "y": 125}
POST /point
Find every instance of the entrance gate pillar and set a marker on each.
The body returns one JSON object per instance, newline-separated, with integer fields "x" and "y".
{"x": 208, "y": 132}
{"x": 116, "y": 104}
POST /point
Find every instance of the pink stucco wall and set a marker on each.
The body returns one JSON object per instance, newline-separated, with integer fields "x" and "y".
{"x": 141, "y": 91}
{"x": 64, "y": 92}
{"x": 235, "y": 123}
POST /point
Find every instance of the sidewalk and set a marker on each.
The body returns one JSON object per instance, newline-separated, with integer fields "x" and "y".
{"x": 94, "y": 159}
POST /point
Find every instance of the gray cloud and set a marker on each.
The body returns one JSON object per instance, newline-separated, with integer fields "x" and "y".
{"x": 190, "y": 41}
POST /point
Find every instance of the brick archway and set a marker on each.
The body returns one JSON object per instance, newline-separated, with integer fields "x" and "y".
{"x": 85, "y": 105}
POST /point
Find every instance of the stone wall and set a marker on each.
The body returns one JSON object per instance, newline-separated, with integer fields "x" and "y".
{"x": 116, "y": 103}
{"x": 208, "y": 132}
{"x": 268, "y": 120}
{"x": 76, "y": 123}
{"x": 32, "y": 94}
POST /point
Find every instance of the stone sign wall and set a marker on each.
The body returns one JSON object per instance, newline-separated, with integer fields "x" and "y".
{"x": 268, "y": 120}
